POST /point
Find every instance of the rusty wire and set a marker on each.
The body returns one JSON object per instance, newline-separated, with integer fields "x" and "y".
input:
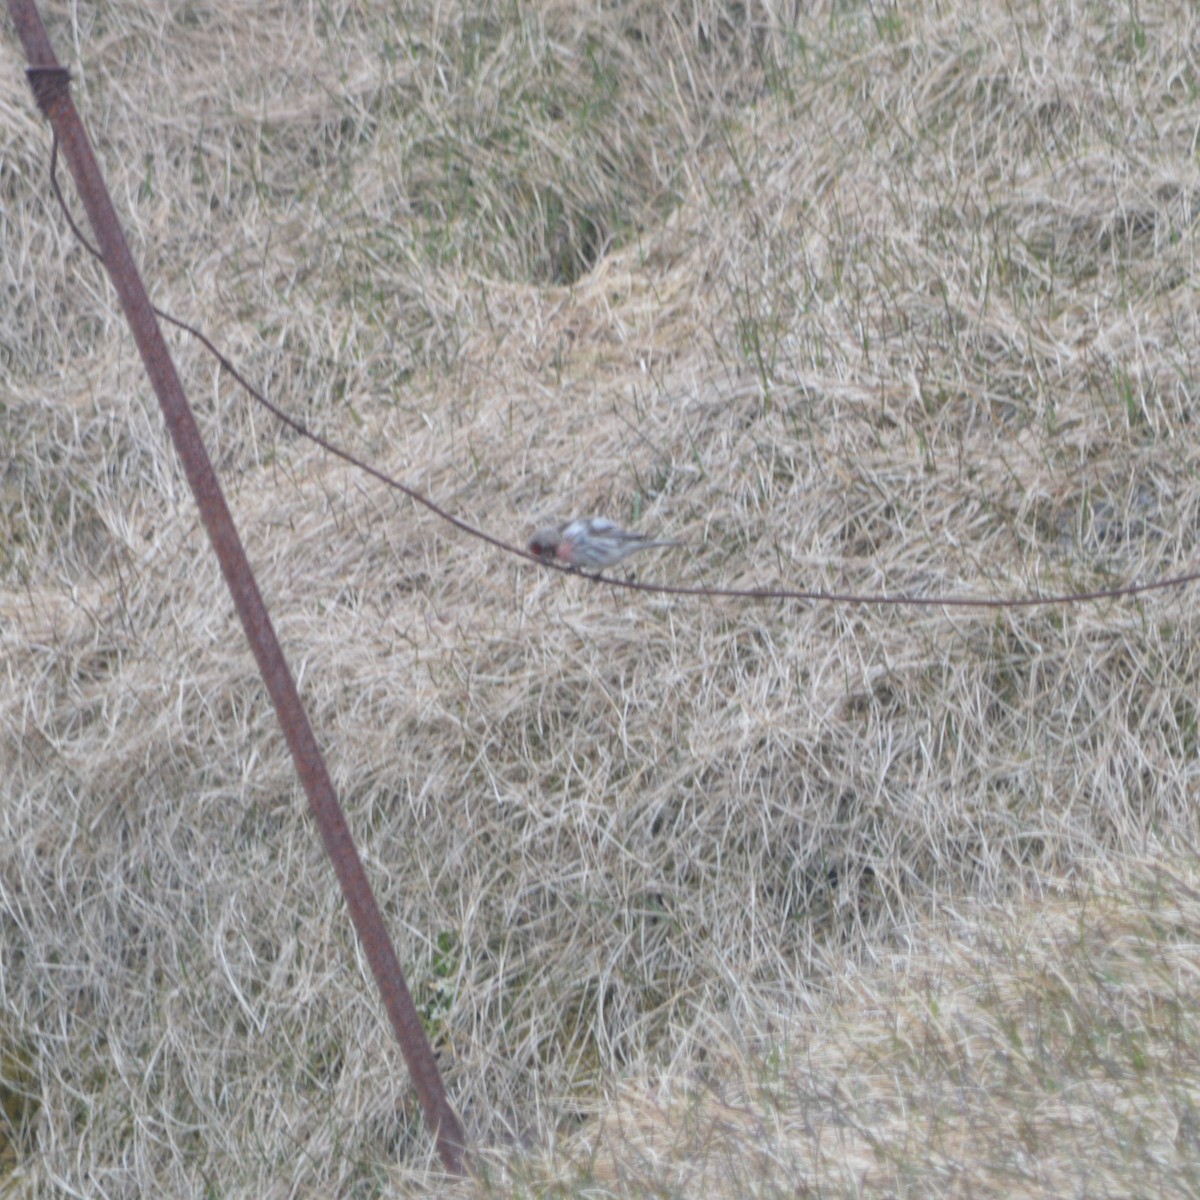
{"x": 670, "y": 589}
{"x": 50, "y": 83}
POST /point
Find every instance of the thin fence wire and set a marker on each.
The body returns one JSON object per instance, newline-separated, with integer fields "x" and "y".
{"x": 670, "y": 589}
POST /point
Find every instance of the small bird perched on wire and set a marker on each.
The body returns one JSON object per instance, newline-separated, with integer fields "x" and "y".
{"x": 590, "y": 543}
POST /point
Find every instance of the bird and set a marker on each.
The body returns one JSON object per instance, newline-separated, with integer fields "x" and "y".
{"x": 590, "y": 543}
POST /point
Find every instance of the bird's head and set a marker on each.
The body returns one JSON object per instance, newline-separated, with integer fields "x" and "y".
{"x": 545, "y": 543}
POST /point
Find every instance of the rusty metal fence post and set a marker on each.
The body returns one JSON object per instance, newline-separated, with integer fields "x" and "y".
{"x": 50, "y": 84}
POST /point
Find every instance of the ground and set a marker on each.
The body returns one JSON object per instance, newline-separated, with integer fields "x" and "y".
{"x": 696, "y": 896}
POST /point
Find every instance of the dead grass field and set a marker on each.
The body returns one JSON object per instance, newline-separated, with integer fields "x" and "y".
{"x": 698, "y": 898}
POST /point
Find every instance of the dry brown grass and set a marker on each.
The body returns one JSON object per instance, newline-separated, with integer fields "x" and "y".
{"x": 1039, "y": 1048}
{"x": 697, "y": 898}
